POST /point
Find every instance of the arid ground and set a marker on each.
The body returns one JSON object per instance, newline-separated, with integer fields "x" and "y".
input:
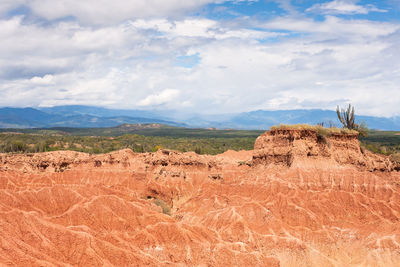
{"x": 297, "y": 199}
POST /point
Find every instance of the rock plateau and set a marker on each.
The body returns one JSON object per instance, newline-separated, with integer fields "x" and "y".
{"x": 296, "y": 200}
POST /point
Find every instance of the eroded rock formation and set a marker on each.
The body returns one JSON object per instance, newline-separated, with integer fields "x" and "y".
{"x": 296, "y": 200}
{"x": 307, "y": 148}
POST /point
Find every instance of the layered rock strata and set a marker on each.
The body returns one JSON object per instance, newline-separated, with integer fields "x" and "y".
{"x": 308, "y": 148}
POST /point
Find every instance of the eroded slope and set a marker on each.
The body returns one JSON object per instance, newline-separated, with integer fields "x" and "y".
{"x": 292, "y": 201}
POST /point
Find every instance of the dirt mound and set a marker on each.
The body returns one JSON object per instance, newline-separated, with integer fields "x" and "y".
{"x": 293, "y": 201}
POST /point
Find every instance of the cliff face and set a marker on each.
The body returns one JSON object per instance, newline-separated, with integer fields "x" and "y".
{"x": 296, "y": 200}
{"x": 307, "y": 148}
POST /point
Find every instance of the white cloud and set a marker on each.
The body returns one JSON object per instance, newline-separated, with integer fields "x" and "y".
{"x": 103, "y": 12}
{"x": 45, "y": 80}
{"x": 162, "y": 97}
{"x": 187, "y": 27}
{"x": 281, "y": 63}
{"x": 129, "y": 66}
{"x": 343, "y": 7}
{"x": 333, "y": 26}
{"x": 204, "y": 28}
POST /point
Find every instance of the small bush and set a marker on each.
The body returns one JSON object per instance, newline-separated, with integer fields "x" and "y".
{"x": 374, "y": 148}
{"x": 156, "y": 148}
{"x": 197, "y": 150}
{"x": 362, "y": 129}
{"x": 165, "y": 208}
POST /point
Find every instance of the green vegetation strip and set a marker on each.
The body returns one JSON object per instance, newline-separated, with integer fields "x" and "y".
{"x": 382, "y": 142}
{"x": 202, "y": 141}
{"x": 30, "y": 143}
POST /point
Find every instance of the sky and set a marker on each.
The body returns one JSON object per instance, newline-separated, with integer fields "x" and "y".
{"x": 204, "y": 56}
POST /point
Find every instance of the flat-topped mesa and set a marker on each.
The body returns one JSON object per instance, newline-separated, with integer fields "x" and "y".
{"x": 316, "y": 148}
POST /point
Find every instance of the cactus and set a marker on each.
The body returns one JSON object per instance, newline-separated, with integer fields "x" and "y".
{"x": 347, "y": 118}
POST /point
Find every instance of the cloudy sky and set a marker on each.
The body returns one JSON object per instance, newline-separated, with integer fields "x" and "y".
{"x": 209, "y": 56}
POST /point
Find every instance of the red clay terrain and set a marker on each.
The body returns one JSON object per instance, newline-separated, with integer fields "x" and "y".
{"x": 298, "y": 199}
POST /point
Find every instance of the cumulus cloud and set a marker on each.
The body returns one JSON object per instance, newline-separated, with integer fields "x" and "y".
{"x": 160, "y": 98}
{"x": 101, "y": 12}
{"x": 283, "y": 62}
{"x": 346, "y": 7}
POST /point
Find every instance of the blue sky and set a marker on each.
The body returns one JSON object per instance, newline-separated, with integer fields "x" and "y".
{"x": 207, "y": 56}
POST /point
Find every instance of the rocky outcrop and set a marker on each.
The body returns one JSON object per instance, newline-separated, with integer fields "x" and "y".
{"x": 295, "y": 200}
{"x": 309, "y": 149}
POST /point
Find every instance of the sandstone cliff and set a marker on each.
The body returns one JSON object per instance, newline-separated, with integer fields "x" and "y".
{"x": 307, "y": 148}
{"x": 296, "y": 200}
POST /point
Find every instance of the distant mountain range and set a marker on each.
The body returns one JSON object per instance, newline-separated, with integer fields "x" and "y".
{"x": 68, "y": 117}
{"x": 89, "y": 116}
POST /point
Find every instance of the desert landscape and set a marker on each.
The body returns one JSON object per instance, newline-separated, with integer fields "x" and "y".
{"x": 200, "y": 133}
{"x": 297, "y": 199}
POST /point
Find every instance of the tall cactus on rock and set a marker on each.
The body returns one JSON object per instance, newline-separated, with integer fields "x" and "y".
{"x": 347, "y": 118}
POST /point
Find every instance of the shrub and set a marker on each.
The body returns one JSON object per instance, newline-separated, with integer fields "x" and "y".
{"x": 197, "y": 150}
{"x": 156, "y": 148}
{"x": 362, "y": 129}
{"x": 165, "y": 208}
